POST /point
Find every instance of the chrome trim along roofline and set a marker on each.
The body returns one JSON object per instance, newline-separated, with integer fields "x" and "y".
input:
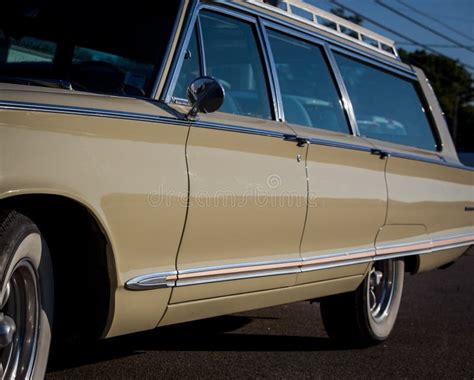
{"x": 338, "y": 21}
{"x": 381, "y": 59}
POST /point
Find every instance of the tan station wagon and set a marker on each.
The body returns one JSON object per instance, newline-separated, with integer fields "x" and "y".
{"x": 166, "y": 161}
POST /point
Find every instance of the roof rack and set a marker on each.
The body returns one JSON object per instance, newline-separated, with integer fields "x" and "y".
{"x": 311, "y": 15}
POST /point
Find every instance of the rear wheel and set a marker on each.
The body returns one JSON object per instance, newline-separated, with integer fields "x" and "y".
{"x": 367, "y": 315}
{"x": 26, "y": 298}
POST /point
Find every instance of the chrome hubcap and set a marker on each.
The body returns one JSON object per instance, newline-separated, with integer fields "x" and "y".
{"x": 381, "y": 288}
{"x": 7, "y": 329}
{"x": 19, "y": 318}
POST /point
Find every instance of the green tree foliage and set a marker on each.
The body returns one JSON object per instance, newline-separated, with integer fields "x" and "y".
{"x": 454, "y": 87}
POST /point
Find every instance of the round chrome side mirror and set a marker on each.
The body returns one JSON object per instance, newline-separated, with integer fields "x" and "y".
{"x": 206, "y": 95}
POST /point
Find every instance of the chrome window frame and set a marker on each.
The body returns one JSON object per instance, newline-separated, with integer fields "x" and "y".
{"x": 159, "y": 73}
{"x": 175, "y": 68}
{"x": 332, "y": 68}
{"x": 419, "y": 92}
{"x": 195, "y": 22}
{"x": 262, "y": 21}
{"x": 330, "y": 44}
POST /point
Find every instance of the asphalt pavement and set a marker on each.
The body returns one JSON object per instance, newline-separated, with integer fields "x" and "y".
{"x": 433, "y": 338}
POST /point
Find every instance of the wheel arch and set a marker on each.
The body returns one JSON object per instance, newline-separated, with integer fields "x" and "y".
{"x": 91, "y": 269}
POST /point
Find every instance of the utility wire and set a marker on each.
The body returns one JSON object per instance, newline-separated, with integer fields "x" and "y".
{"x": 380, "y": 25}
{"x": 421, "y": 25}
{"x": 436, "y": 20}
{"x": 432, "y": 45}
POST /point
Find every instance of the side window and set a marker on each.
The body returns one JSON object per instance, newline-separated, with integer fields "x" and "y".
{"x": 232, "y": 56}
{"x": 387, "y": 107}
{"x": 26, "y": 49}
{"x": 100, "y": 71}
{"x": 190, "y": 69}
{"x": 309, "y": 94}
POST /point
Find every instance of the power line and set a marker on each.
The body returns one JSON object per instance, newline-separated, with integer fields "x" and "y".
{"x": 421, "y": 25}
{"x": 436, "y": 20}
{"x": 376, "y": 23}
{"x": 445, "y": 46}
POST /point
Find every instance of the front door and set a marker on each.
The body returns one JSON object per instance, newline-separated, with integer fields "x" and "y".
{"x": 247, "y": 184}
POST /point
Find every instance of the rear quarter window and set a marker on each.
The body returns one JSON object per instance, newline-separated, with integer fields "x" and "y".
{"x": 387, "y": 107}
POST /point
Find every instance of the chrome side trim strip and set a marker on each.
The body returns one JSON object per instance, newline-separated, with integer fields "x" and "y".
{"x": 338, "y": 256}
{"x": 439, "y": 161}
{"x": 311, "y": 268}
{"x": 404, "y": 247}
{"x": 152, "y": 281}
{"x": 237, "y": 267}
{"x": 337, "y": 144}
{"x": 423, "y": 251}
{"x": 460, "y": 237}
{"x": 424, "y": 247}
{"x": 235, "y": 128}
{"x": 198, "y": 276}
{"x": 97, "y": 112}
{"x": 230, "y": 277}
{"x": 451, "y": 246}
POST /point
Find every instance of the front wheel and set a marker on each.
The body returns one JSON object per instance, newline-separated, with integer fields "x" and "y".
{"x": 26, "y": 298}
{"x": 367, "y": 315}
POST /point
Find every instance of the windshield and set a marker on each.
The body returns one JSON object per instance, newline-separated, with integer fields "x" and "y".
{"x": 112, "y": 47}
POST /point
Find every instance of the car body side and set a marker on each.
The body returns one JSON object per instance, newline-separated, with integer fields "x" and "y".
{"x": 136, "y": 165}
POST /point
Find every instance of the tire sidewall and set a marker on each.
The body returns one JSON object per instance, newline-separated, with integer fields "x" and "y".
{"x": 380, "y": 331}
{"x": 22, "y": 240}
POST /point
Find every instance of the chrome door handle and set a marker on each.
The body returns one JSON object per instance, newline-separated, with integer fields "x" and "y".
{"x": 300, "y": 141}
{"x": 378, "y": 152}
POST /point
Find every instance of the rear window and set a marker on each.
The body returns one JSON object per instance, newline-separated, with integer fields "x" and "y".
{"x": 387, "y": 107}
{"x": 111, "y": 47}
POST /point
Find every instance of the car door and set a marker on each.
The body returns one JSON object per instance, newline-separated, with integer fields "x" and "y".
{"x": 428, "y": 190}
{"x": 347, "y": 190}
{"x": 247, "y": 183}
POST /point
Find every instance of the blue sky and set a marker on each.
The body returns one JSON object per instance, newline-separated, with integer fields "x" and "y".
{"x": 459, "y": 14}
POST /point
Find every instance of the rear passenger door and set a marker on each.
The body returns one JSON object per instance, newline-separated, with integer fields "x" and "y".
{"x": 427, "y": 196}
{"x": 347, "y": 190}
{"x": 247, "y": 186}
